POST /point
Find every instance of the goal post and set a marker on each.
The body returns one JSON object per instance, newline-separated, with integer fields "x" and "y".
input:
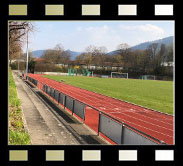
{"x": 119, "y": 75}
{"x": 148, "y": 77}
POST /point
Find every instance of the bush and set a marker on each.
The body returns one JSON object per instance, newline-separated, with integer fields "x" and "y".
{"x": 40, "y": 67}
{"x": 14, "y": 66}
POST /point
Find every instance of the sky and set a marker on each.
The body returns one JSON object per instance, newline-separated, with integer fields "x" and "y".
{"x": 77, "y": 35}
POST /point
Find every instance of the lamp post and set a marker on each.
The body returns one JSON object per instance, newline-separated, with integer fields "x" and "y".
{"x": 27, "y": 56}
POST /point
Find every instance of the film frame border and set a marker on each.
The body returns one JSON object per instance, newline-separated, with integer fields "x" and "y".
{"x": 78, "y": 149}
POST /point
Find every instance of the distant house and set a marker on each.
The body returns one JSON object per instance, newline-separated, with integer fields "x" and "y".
{"x": 62, "y": 65}
{"x": 106, "y": 66}
{"x": 16, "y": 60}
{"x": 39, "y": 60}
{"x": 92, "y": 67}
{"x": 167, "y": 64}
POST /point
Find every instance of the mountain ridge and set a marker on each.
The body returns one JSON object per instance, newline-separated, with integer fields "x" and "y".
{"x": 142, "y": 46}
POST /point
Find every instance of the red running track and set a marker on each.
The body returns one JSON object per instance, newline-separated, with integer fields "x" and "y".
{"x": 153, "y": 123}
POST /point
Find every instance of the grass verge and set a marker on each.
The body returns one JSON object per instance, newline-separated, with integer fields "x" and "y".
{"x": 17, "y": 133}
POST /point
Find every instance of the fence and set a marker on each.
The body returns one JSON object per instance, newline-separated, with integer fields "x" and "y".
{"x": 115, "y": 131}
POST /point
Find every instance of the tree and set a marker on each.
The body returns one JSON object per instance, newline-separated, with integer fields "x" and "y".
{"x": 85, "y": 58}
{"x": 57, "y": 55}
{"x": 47, "y": 56}
{"x": 124, "y": 51}
{"x": 65, "y": 57}
{"x": 162, "y": 53}
{"x": 103, "y": 49}
{"x": 93, "y": 55}
{"x": 31, "y": 66}
{"x": 151, "y": 52}
{"x": 152, "y": 48}
{"x": 119, "y": 59}
{"x": 17, "y": 34}
{"x": 80, "y": 58}
{"x": 143, "y": 61}
{"x": 90, "y": 49}
{"x": 123, "y": 46}
{"x": 169, "y": 53}
{"x": 99, "y": 55}
{"x": 88, "y": 56}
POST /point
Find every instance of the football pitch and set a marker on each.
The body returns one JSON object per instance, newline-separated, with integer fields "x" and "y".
{"x": 157, "y": 95}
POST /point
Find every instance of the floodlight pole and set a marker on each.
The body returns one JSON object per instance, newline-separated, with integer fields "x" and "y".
{"x": 27, "y": 56}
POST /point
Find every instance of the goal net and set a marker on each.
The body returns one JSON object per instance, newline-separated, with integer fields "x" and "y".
{"x": 119, "y": 75}
{"x": 148, "y": 77}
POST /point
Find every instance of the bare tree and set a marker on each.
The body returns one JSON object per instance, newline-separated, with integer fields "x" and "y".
{"x": 93, "y": 54}
{"x": 80, "y": 58}
{"x": 90, "y": 49}
{"x": 23, "y": 56}
{"x": 85, "y": 58}
{"x": 88, "y": 55}
{"x": 57, "y": 51}
{"x": 48, "y": 56}
{"x": 57, "y": 55}
{"x": 152, "y": 48}
{"x": 103, "y": 49}
{"x": 17, "y": 33}
{"x": 18, "y": 30}
{"x": 65, "y": 57}
{"x": 124, "y": 51}
{"x": 119, "y": 59}
{"x": 169, "y": 53}
{"x": 123, "y": 46}
{"x": 161, "y": 55}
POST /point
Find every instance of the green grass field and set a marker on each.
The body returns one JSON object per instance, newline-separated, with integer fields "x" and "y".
{"x": 157, "y": 95}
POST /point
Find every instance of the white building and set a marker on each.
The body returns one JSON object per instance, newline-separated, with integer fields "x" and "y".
{"x": 167, "y": 64}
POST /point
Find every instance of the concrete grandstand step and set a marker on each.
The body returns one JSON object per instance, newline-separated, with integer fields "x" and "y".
{"x": 48, "y": 123}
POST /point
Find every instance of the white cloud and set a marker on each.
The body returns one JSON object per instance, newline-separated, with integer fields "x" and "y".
{"x": 101, "y": 36}
{"x": 79, "y": 28}
{"x": 111, "y": 37}
{"x": 101, "y": 29}
{"x": 142, "y": 33}
{"x": 144, "y": 28}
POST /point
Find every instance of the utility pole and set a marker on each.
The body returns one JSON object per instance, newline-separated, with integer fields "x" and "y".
{"x": 27, "y": 56}
{"x": 18, "y": 65}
